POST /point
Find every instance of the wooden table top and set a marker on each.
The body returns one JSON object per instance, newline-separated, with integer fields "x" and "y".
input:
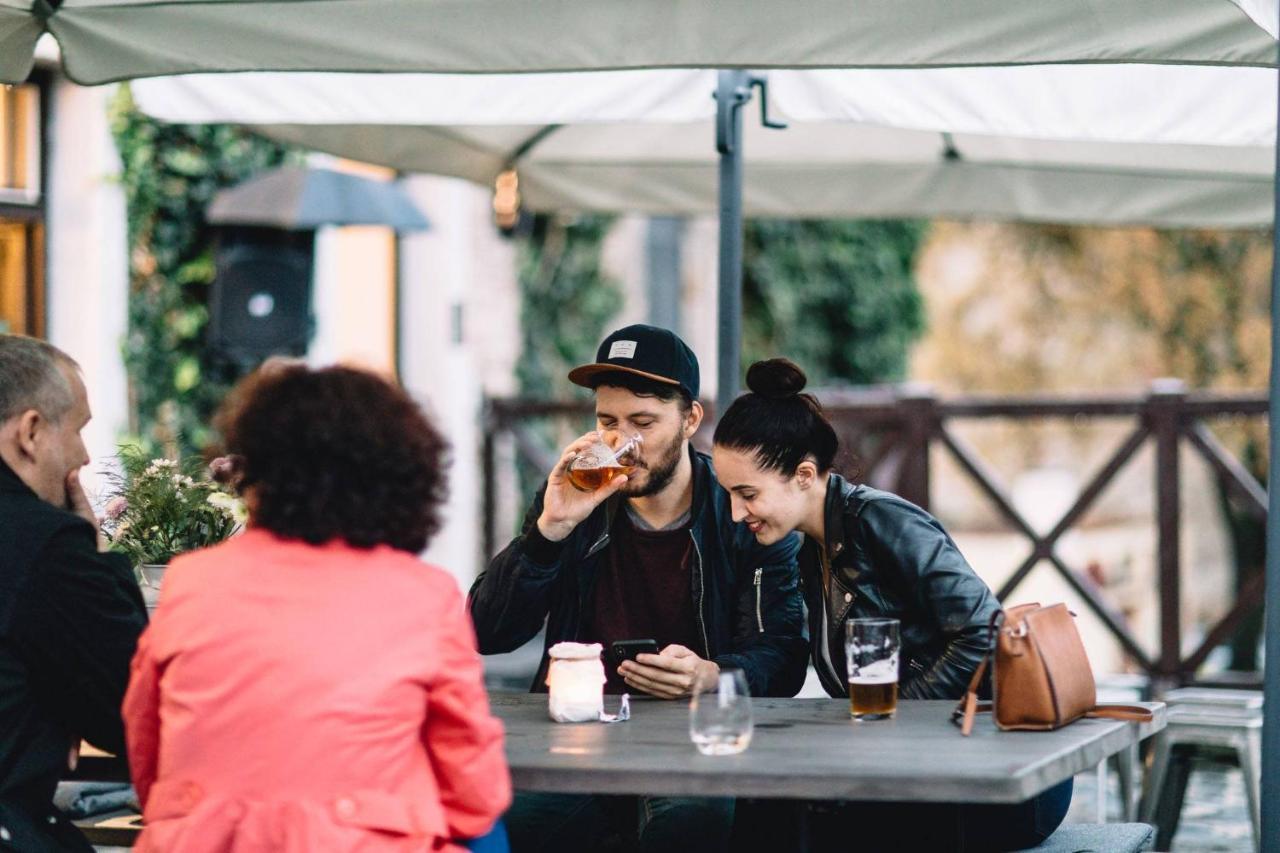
{"x": 805, "y": 749}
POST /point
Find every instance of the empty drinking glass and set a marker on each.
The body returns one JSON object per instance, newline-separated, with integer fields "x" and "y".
{"x": 720, "y": 716}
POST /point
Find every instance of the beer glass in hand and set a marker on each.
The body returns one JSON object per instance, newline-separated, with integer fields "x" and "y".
{"x": 598, "y": 465}
{"x": 871, "y": 649}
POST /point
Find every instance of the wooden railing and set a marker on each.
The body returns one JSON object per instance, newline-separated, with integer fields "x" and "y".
{"x": 893, "y": 431}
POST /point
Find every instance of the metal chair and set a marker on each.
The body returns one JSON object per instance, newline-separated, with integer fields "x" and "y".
{"x": 1229, "y": 732}
{"x": 1123, "y": 689}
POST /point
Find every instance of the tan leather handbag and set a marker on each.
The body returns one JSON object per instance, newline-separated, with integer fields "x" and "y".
{"x": 1041, "y": 677}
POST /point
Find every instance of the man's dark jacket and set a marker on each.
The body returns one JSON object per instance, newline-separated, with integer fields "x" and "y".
{"x": 69, "y": 621}
{"x": 747, "y": 600}
{"x": 889, "y": 558}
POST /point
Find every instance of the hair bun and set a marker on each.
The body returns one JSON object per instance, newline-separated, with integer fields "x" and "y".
{"x": 776, "y": 378}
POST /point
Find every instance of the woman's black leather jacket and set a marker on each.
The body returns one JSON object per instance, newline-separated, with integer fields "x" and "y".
{"x": 890, "y": 558}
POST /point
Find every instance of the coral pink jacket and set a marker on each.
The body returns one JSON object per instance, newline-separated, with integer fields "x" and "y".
{"x": 295, "y": 698}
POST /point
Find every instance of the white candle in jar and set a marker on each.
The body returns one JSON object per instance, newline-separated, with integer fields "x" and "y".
{"x": 575, "y": 681}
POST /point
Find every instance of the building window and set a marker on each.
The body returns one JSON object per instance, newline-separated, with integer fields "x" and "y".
{"x": 22, "y": 287}
{"x": 22, "y": 278}
{"x": 20, "y": 144}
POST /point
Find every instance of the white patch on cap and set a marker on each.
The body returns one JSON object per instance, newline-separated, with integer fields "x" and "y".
{"x": 623, "y": 349}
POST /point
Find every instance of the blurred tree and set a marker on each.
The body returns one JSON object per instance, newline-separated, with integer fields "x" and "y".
{"x": 1026, "y": 308}
{"x": 1205, "y": 298}
{"x": 565, "y": 300}
{"x": 837, "y": 297}
{"x": 170, "y": 173}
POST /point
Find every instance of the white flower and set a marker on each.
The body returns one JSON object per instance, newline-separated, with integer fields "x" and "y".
{"x": 233, "y": 507}
{"x": 159, "y": 466}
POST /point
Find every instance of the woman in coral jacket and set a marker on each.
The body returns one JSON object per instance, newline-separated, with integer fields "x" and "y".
{"x": 311, "y": 685}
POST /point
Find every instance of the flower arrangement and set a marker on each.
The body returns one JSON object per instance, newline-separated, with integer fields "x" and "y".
{"x": 160, "y": 508}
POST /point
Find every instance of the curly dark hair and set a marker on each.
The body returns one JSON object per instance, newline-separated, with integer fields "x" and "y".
{"x": 336, "y": 453}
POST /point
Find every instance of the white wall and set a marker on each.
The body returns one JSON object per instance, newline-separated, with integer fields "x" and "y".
{"x": 87, "y": 258}
{"x": 624, "y": 259}
{"x": 700, "y": 297}
{"x": 353, "y": 298}
{"x": 460, "y": 265}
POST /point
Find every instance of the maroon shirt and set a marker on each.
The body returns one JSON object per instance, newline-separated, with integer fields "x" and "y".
{"x": 643, "y": 591}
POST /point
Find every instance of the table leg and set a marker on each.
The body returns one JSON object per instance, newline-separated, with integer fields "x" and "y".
{"x": 1100, "y": 794}
{"x": 1127, "y": 770}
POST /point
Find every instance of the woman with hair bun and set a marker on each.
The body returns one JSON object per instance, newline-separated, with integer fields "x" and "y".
{"x": 868, "y": 553}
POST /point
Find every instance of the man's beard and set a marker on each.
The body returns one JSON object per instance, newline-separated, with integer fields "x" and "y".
{"x": 660, "y": 474}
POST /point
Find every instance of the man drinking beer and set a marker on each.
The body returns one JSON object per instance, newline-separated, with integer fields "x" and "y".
{"x": 650, "y": 554}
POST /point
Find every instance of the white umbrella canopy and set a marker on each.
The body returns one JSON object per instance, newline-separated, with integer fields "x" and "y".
{"x": 1138, "y": 144}
{"x": 108, "y": 40}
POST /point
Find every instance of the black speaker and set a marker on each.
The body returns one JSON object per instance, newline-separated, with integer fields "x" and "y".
{"x": 260, "y": 302}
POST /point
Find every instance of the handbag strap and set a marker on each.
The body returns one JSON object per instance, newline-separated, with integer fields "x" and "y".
{"x": 1133, "y": 713}
{"x": 969, "y": 705}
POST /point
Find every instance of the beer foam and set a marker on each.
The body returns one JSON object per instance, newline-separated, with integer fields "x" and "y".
{"x": 880, "y": 672}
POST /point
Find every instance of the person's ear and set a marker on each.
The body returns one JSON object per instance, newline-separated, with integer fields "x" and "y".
{"x": 806, "y": 474}
{"x": 30, "y": 424}
{"x": 693, "y": 419}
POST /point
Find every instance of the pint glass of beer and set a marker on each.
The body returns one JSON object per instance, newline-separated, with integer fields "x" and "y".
{"x": 871, "y": 648}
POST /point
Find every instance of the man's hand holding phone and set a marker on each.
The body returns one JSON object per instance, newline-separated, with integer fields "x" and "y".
{"x": 674, "y": 672}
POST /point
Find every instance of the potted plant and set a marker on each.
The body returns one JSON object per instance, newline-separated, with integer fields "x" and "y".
{"x": 160, "y": 508}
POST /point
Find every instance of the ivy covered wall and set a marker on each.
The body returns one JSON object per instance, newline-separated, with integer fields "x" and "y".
{"x": 837, "y": 297}
{"x": 566, "y": 300}
{"x": 170, "y": 174}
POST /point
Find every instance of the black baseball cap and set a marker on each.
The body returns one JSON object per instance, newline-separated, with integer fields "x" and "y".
{"x": 647, "y": 351}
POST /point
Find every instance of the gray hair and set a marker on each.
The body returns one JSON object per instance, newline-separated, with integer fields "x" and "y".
{"x": 30, "y": 378}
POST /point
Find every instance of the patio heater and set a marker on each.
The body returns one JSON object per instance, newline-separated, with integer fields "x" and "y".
{"x": 260, "y": 303}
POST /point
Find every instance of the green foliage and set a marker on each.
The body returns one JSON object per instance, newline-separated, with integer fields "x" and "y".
{"x": 170, "y": 174}
{"x": 838, "y": 298}
{"x": 565, "y": 300}
{"x": 160, "y": 508}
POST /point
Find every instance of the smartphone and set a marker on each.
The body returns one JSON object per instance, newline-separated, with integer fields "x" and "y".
{"x": 628, "y": 649}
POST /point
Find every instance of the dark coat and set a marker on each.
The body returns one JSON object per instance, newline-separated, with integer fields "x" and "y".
{"x": 69, "y": 622}
{"x": 747, "y": 598}
{"x": 890, "y": 558}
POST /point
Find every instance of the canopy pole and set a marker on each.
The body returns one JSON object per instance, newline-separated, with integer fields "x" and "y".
{"x": 733, "y": 90}
{"x": 1270, "y": 798}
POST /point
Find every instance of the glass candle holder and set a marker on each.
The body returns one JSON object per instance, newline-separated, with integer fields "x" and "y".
{"x": 575, "y": 682}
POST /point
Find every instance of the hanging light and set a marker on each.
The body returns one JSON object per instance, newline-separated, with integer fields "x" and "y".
{"x": 506, "y": 200}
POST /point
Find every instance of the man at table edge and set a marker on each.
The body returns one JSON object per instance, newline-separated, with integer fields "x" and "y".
{"x": 70, "y": 615}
